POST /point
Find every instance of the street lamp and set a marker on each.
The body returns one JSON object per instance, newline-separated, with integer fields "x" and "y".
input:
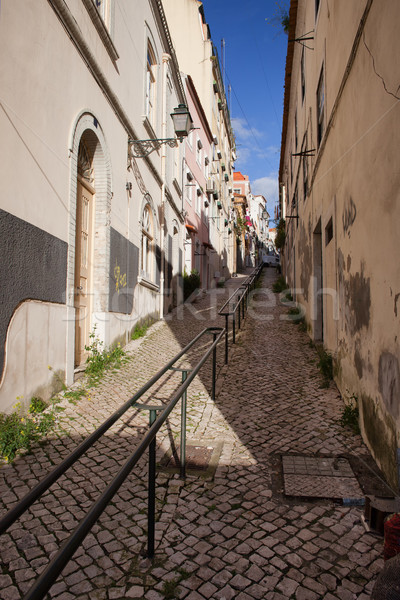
{"x": 182, "y": 125}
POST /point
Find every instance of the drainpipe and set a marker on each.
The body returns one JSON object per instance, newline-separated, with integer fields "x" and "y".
{"x": 165, "y": 60}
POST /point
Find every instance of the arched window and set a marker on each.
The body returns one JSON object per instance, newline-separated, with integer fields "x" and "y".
{"x": 151, "y": 82}
{"x": 147, "y": 259}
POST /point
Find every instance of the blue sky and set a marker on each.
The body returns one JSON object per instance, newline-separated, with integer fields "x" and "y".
{"x": 255, "y": 55}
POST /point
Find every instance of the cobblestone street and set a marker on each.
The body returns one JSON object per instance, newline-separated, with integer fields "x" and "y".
{"x": 231, "y": 534}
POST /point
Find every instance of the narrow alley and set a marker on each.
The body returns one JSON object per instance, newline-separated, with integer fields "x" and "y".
{"x": 247, "y": 524}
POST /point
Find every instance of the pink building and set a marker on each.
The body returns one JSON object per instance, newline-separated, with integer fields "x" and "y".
{"x": 197, "y": 168}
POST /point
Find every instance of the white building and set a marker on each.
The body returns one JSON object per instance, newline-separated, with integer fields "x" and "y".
{"x": 91, "y": 237}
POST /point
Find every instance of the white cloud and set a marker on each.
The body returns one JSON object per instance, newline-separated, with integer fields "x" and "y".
{"x": 267, "y": 187}
{"x": 243, "y": 131}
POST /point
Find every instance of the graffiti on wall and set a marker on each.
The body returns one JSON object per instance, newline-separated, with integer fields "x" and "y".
{"x": 120, "y": 279}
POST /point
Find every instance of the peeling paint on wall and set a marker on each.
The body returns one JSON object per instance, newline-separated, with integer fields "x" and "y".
{"x": 397, "y": 296}
{"x": 349, "y": 216}
{"x": 381, "y": 434}
{"x": 358, "y": 360}
{"x": 389, "y": 382}
{"x": 355, "y": 293}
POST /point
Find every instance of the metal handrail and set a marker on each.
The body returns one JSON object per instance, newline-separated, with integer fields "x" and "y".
{"x": 57, "y": 564}
{"x": 242, "y": 297}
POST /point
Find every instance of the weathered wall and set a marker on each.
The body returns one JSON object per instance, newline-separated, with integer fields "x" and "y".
{"x": 354, "y": 192}
{"x": 33, "y": 266}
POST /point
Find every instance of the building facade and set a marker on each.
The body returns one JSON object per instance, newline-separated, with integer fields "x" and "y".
{"x": 92, "y": 241}
{"x": 197, "y": 165}
{"x": 198, "y": 57}
{"x": 340, "y": 197}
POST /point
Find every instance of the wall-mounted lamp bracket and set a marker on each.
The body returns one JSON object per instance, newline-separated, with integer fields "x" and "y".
{"x": 142, "y": 148}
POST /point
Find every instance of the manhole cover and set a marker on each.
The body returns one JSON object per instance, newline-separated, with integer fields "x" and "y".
{"x": 319, "y": 477}
{"x": 201, "y": 458}
{"x": 197, "y": 457}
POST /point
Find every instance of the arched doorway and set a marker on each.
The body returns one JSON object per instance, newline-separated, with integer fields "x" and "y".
{"x": 85, "y": 199}
{"x": 89, "y": 243}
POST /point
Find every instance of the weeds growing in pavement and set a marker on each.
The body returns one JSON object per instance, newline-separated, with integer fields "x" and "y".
{"x": 18, "y": 431}
{"x": 101, "y": 359}
{"x": 287, "y": 297}
{"x": 75, "y": 395}
{"x": 280, "y": 285}
{"x": 325, "y": 365}
{"x": 140, "y": 330}
{"x": 350, "y": 414}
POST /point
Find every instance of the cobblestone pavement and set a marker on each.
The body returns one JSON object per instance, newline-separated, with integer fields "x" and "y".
{"x": 234, "y": 535}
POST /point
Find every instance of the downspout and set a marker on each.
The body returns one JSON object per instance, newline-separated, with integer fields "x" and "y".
{"x": 165, "y": 60}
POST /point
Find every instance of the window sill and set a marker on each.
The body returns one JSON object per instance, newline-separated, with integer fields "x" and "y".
{"x": 101, "y": 29}
{"x": 177, "y": 186}
{"x": 148, "y": 284}
{"x": 149, "y": 128}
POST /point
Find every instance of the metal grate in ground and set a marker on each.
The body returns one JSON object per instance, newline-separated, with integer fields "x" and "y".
{"x": 202, "y": 458}
{"x": 319, "y": 477}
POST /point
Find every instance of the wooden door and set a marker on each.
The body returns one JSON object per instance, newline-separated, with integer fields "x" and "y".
{"x": 83, "y": 268}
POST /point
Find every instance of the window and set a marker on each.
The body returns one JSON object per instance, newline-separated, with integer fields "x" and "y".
{"x": 303, "y": 76}
{"x": 151, "y": 81}
{"x": 329, "y": 232}
{"x": 320, "y": 106}
{"x": 147, "y": 257}
{"x": 206, "y": 167}
{"x": 103, "y": 7}
{"x": 305, "y": 177}
{"x": 199, "y": 146}
{"x": 189, "y": 187}
{"x": 199, "y": 199}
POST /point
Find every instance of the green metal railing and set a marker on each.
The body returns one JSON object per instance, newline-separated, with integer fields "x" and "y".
{"x": 59, "y": 561}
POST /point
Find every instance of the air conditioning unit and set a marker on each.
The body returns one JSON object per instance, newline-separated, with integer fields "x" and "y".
{"x": 219, "y": 153}
{"x": 210, "y": 187}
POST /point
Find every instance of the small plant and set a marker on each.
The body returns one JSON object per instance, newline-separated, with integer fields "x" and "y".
{"x": 18, "y": 431}
{"x": 287, "y": 297}
{"x": 325, "y": 365}
{"x": 139, "y": 331}
{"x": 280, "y": 237}
{"x": 350, "y": 414}
{"x": 190, "y": 283}
{"x": 280, "y": 285}
{"x": 170, "y": 589}
{"x": 75, "y": 395}
{"x": 101, "y": 359}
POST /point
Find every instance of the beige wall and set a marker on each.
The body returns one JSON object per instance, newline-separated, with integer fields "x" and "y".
{"x": 49, "y": 98}
{"x": 355, "y": 183}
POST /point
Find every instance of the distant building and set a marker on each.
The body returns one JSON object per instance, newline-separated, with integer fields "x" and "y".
{"x": 198, "y": 58}
{"x": 340, "y": 197}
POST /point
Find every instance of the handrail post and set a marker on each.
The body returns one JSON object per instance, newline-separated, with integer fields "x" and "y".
{"x": 239, "y": 311}
{"x": 183, "y": 428}
{"x": 234, "y": 326}
{"x": 214, "y": 366}
{"x": 151, "y": 502}
{"x": 226, "y": 337}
